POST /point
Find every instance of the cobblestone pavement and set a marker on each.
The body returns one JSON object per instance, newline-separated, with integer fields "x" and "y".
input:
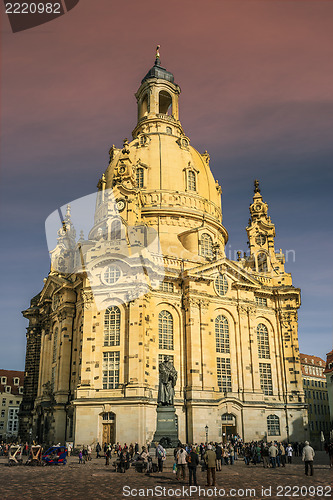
{"x": 94, "y": 480}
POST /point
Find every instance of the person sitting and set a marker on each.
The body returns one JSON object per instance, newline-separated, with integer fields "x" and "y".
{"x": 144, "y": 455}
{"x": 123, "y": 460}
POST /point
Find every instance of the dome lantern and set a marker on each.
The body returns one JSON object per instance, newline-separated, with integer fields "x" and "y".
{"x": 157, "y": 98}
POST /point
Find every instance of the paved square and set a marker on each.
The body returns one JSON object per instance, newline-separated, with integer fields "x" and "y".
{"x": 94, "y": 480}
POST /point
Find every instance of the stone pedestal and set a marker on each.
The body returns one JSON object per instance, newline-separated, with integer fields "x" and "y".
{"x": 166, "y": 427}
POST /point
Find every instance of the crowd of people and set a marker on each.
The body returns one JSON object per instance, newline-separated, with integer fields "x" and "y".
{"x": 210, "y": 456}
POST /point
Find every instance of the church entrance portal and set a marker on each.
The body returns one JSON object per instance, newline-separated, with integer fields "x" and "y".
{"x": 228, "y": 426}
{"x": 109, "y": 428}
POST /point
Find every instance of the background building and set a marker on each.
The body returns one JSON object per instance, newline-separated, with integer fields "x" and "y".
{"x": 11, "y": 393}
{"x": 329, "y": 381}
{"x": 230, "y": 326}
{"x": 316, "y": 397}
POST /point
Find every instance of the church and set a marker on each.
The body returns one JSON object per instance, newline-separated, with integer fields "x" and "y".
{"x": 152, "y": 280}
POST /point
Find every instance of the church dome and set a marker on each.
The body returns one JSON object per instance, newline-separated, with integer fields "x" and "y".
{"x": 171, "y": 166}
{"x": 171, "y": 178}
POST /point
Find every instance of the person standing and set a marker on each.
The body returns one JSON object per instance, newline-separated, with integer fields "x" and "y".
{"x": 272, "y": 454}
{"x": 107, "y": 455}
{"x": 231, "y": 454}
{"x": 192, "y": 463}
{"x": 98, "y": 450}
{"x": 181, "y": 462}
{"x": 265, "y": 455}
{"x": 282, "y": 453}
{"x": 131, "y": 451}
{"x": 218, "y": 451}
{"x": 307, "y": 457}
{"x": 160, "y": 454}
{"x": 210, "y": 460}
{"x": 289, "y": 451}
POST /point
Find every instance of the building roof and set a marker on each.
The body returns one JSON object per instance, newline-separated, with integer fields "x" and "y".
{"x": 312, "y": 366}
{"x": 311, "y": 360}
{"x": 329, "y": 362}
{"x": 11, "y": 375}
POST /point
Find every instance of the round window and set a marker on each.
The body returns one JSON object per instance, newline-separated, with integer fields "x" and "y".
{"x": 221, "y": 284}
{"x": 111, "y": 275}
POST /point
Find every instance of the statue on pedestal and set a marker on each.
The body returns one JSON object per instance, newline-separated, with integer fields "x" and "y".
{"x": 167, "y": 382}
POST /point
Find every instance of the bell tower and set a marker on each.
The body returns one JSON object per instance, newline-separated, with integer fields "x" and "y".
{"x": 261, "y": 235}
{"x": 157, "y": 99}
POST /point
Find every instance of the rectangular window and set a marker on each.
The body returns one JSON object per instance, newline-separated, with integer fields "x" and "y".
{"x": 2, "y": 413}
{"x": 1, "y": 426}
{"x": 161, "y": 358}
{"x": 266, "y": 378}
{"x": 166, "y": 286}
{"x": 261, "y": 301}
{"x": 263, "y": 345}
{"x": 3, "y": 401}
{"x": 111, "y": 370}
{"x": 224, "y": 374}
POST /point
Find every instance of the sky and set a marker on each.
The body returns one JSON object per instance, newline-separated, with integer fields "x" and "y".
{"x": 256, "y": 79}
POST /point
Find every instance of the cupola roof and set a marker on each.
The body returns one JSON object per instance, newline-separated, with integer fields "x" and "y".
{"x": 157, "y": 71}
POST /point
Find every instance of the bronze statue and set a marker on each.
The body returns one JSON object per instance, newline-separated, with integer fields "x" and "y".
{"x": 167, "y": 382}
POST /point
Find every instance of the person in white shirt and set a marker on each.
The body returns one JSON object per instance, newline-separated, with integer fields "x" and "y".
{"x": 289, "y": 451}
{"x": 181, "y": 463}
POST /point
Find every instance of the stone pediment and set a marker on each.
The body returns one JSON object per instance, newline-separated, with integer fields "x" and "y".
{"x": 53, "y": 282}
{"x": 235, "y": 273}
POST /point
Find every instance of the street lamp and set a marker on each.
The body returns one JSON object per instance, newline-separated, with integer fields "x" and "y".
{"x": 206, "y": 429}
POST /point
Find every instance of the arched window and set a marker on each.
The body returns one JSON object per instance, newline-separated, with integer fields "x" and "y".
{"x": 169, "y": 130}
{"x": 206, "y": 245}
{"x": 165, "y": 103}
{"x": 263, "y": 341}
{"x": 262, "y": 262}
{"x": 144, "y": 106}
{"x": 112, "y": 326}
{"x": 191, "y": 181}
{"x": 222, "y": 334}
{"x": 116, "y": 230}
{"x": 221, "y": 284}
{"x": 165, "y": 330}
{"x": 273, "y": 425}
{"x": 55, "y": 345}
{"x": 139, "y": 177}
